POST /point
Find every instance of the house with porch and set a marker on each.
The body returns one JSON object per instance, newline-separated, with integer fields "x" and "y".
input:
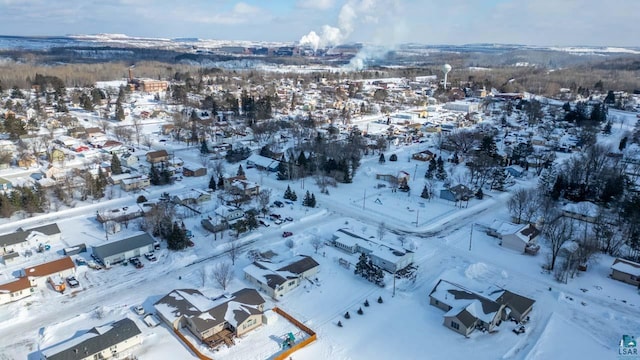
{"x": 386, "y": 256}
{"x": 158, "y": 156}
{"x": 456, "y": 193}
{"x": 212, "y": 320}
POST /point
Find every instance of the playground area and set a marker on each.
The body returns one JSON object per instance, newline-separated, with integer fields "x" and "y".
{"x": 280, "y": 337}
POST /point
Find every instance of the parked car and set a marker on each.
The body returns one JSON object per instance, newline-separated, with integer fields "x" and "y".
{"x": 94, "y": 265}
{"x": 150, "y": 256}
{"x": 277, "y": 221}
{"x": 274, "y": 216}
{"x": 286, "y": 234}
{"x": 139, "y": 310}
{"x": 288, "y": 218}
{"x": 71, "y": 280}
{"x": 263, "y": 223}
{"x": 191, "y": 243}
{"x": 278, "y": 203}
{"x": 80, "y": 261}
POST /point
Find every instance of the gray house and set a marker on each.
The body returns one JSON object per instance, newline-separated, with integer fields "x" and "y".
{"x": 121, "y": 250}
{"x": 277, "y": 279}
{"x": 104, "y": 342}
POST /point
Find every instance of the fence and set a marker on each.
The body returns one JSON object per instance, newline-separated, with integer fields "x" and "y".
{"x": 190, "y": 345}
{"x": 312, "y": 335}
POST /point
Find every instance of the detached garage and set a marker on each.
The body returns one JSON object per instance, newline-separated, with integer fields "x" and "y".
{"x": 121, "y": 250}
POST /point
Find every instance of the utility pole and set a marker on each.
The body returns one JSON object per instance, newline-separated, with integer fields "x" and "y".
{"x": 414, "y": 172}
{"x": 417, "y": 216}
{"x": 364, "y": 197}
{"x": 394, "y": 284}
{"x": 471, "y": 236}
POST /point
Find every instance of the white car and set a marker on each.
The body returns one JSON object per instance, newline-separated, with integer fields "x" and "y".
{"x": 139, "y": 310}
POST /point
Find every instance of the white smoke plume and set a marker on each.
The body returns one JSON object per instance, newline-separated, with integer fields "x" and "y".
{"x": 379, "y": 16}
{"x": 351, "y": 14}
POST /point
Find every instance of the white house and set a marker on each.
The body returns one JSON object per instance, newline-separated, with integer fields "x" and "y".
{"x": 514, "y": 236}
{"x": 15, "y": 290}
{"x": 229, "y": 213}
{"x": 388, "y": 257}
{"x": 277, "y": 279}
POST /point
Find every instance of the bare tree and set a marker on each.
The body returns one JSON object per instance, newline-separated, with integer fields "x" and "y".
{"x": 264, "y": 198}
{"x": 317, "y": 244}
{"x": 222, "y": 274}
{"x": 557, "y": 233}
{"x": 137, "y": 127}
{"x": 122, "y": 133}
{"x": 403, "y": 239}
{"x": 233, "y": 250}
{"x": 517, "y": 205}
{"x": 217, "y": 168}
{"x": 382, "y": 229}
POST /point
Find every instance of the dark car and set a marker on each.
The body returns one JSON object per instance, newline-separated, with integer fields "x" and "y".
{"x": 278, "y": 203}
{"x": 287, "y": 234}
{"x": 261, "y": 222}
{"x": 71, "y": 280}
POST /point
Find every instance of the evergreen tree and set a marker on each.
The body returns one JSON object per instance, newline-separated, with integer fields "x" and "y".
{"x": 380, "y": 300}
{"x": 240, "y": 171}
{"x": 611, "y": 98}
{"x": 441, "y": 172}
{"x": 479, "y": 194}
{"x": 381, "y": 159}
{"x": 116, "y": 167}
{"x": 432, "y": 168}
{"x": 302, "y": 161}
{"x": 283, "y": 171}
{"x": 362, "y": 266}
{"x": 499, "y": 178}
{"x": 393, "y": 157}
{"x": 212, "y": 183}
{"x": 360, "y": 312}
{"x": 566, "y": 107}
{"x": 607, "y": 128}
{"x": 307, "y": 199}
{"x": 312, "y": 201}
{"x": 165, "y": 176}
{"x": 154, "y": 175}
{"x": 287, "y": 193}
{"x": 177, "y": 239}
{"x": 425, "y": 193}
{"x": 204, "y": 148}
{"x": 221, "y": 183}
{"x": 558, "y": 186}
{"x": 623, "y": 143}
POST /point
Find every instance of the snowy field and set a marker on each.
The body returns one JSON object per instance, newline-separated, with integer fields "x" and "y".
{"x": 583, "y": 319}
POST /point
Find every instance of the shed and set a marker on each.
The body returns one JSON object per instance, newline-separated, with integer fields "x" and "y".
{"x": 121, "y": 250}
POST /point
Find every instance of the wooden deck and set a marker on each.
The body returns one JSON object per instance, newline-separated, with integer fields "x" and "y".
{"x": 223, "y": 337}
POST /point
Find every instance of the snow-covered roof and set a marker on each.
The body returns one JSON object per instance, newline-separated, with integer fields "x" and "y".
{"x": 627, "y": 267}
{"x": 459, "y": 298}
{"x": 585, "y": 208}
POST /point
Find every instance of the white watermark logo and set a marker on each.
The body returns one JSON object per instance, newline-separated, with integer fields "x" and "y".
{"x": 628, "y": 348}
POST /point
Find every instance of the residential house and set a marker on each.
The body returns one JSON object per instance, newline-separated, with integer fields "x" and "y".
{"x": 583, "y": 211}
{"x": 39, "y": 275}
{"x": 15, "y": 290}
{"x": 425, "y": 155}
{"x": 388, "y": 257}
{"x": 262, "y": 163}
{"x": 277, "y": 279}
{"x": 24, "y": 238}
{"x": 515, "y": 171}
{"x": 191, "y": 197}
{"x": 135, "y": 183}
{"x": 518, "y": 237}
{"x": 243, "y": 187}
{"x": 118, "y": 251}
{"x": 627, "y": 271}
{"x": 104, "y": 342}
{"x": 27, "y": 160}
{"x": 213, "y": 225}
{"x": 158, "y": 156}
{"x": 467, "y": 310}
{"x": 95, "y": 134}
{"x": 229, "y": 213}
{"x": 456, "y": 193}
{"x": 208, "y": 319}
{"x": 128, "y": 159}
{"x": 194, "y": 171}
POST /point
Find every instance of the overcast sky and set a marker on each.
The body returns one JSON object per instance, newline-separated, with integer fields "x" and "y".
{"x": 533, "y": 22}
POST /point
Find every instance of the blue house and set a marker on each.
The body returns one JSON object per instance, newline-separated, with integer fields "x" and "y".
{"x": 456, "y": 193}
{"x": 515, "y": 171}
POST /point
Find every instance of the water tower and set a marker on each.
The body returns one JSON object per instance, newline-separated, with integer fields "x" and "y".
{"x": 445, "y": 69}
